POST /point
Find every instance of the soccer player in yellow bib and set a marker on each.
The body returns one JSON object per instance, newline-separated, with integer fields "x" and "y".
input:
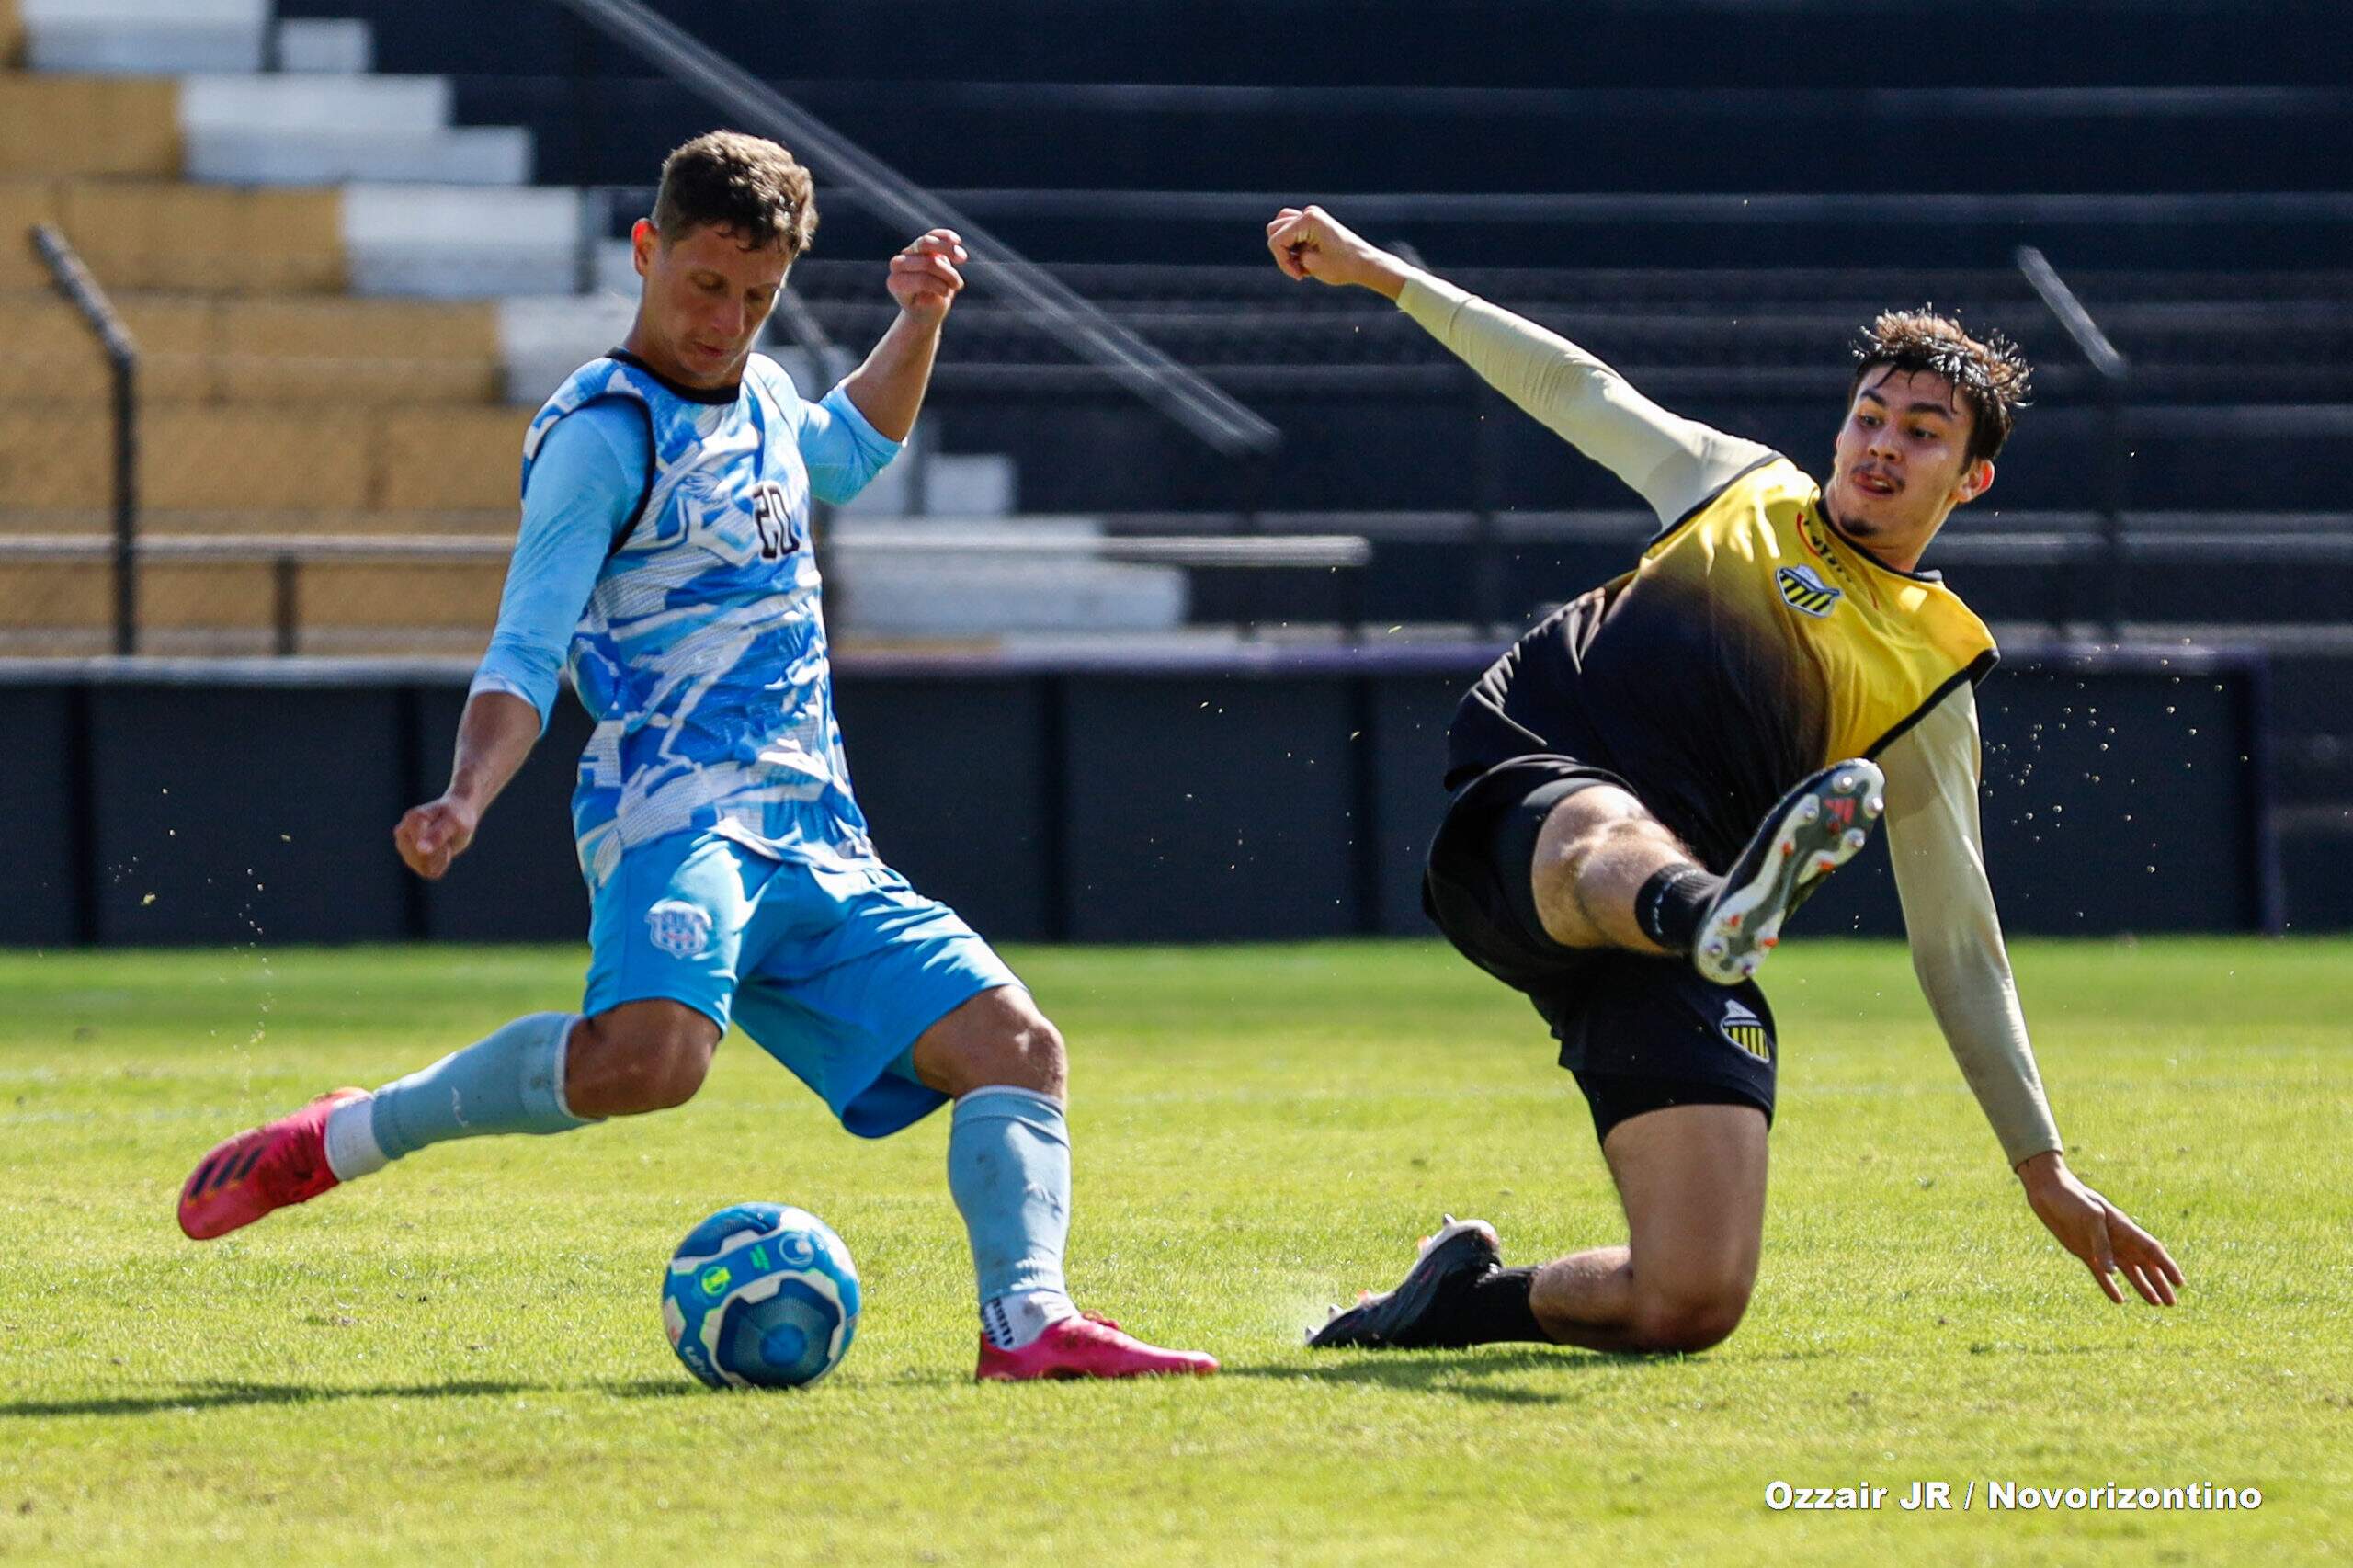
{"x": 1652, "y": 778}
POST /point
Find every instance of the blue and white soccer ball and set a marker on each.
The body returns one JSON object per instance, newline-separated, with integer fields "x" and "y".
{"x": 760, "y": 1296}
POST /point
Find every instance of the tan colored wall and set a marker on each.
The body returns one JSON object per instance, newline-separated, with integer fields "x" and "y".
{"x": 23, "y": 203}
{"x": 195, "y": 348}
{"x": 153, "y": 234}
{"x": 264, "y": 459}
{"x": 88, "y": 125}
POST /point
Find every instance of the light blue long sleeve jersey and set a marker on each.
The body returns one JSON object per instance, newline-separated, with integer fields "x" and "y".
{"x": 664, "y": 559}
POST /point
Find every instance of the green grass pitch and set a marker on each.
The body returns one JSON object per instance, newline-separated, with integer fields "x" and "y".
{"x": 462, "y": 1359}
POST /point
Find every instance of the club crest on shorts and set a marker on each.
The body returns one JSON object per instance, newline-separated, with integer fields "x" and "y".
{"x": 1803, "y": 590}
{"x": 679, "y": 927}
{"x": 1745, "y": 1029}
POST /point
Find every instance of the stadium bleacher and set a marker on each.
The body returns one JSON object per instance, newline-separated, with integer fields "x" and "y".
{"x": 417, "y": 211}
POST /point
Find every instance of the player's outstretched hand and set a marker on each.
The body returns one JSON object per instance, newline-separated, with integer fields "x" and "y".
{"x": 924, "y": 279}
{"x": 1309, "y": 243}
{"x": 431, "y": 835}
{"x": 2099, "y": 1232}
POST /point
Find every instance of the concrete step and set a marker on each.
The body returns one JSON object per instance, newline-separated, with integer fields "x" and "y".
{"x": 306, "y": 130}
{"x": 280, "y": 351}
{"x": 924, "y": 481}
{"x": 304, "y": 103}
{"x": 51, "y": 126}
{"x": 457, "y": 242}
{"x": 145, "y": 36}
{"x": 487, "y": 155}
{"x": 326, "y": 45}
{"x": 977, "y": 595}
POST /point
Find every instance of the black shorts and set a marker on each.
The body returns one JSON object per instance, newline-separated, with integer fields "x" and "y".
{"x": 1640, "y": 1033}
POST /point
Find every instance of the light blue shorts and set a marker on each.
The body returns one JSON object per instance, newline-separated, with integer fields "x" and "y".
{"x": 833, "y": 972}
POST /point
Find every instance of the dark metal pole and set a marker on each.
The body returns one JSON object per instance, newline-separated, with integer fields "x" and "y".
{"x": 287, "y": 607}
{"x": 81, "y": 291}
{"x": 126, "y": 503}
{"x": 2114, "y": 371}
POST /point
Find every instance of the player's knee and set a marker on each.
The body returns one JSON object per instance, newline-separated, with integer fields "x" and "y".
{"x": 1024, "y": 1053}
{"x": 640, "y": 1059}
{"x": 1566, "y": 858}
{"x": 1691, "y": 1317}
{"x": 672, "y": 1072}
{"x": 1032, "y": 1056}
{"x": 998, "y": 1039}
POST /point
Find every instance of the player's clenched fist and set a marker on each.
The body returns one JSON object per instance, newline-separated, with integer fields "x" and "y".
{"x": 924, "y": 279}
{"x": 1310, "y": 243}
{"x": 431, "y": 835}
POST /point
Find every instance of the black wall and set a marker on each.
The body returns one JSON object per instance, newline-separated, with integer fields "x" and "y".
{"x": 1273, "y": 796}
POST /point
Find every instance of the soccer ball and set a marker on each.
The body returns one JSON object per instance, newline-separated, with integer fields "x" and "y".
{"x": 760, "y": 1295}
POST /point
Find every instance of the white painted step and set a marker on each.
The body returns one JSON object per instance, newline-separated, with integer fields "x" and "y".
{"x": 935, "y": 483}
{"x": 616, "y": 268}
{"x": 452, "y": 242}
{"x": 476, "y": 156}
{"x": 979, "y": 595}
{"x": 543, "y": 340}
{"x": 300, "y": 129}
{"x": 323, "y": 46}
{"x": 298, "y": 103}
{"x": 144, "y": 37}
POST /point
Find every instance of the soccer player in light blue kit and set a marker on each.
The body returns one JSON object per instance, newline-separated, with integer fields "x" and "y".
{"x": 665, "y": 553}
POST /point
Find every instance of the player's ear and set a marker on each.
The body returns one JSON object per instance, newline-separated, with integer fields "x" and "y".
{"x": 643, "y": 238}
{"x": 1975, "y": 479}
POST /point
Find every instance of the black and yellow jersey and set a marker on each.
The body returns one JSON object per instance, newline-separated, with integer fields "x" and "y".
{"x": 1753, "y": 645}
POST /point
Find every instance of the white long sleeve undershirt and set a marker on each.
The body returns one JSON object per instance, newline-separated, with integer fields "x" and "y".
{"x": 1676, "y": 464}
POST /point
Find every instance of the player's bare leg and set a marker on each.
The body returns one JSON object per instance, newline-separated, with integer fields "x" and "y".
{"x": 1597, "y": 849}
{"x": 1008, "y": 1169}
{"x": 546, "y": 1072}
{"x": 1608, "y": 874}
{"x": 638, "y": 1057}
{"x": 1692, "y": 1182}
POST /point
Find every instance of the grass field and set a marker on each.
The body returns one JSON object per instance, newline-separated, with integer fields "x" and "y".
{"x": 463, "y": 1361}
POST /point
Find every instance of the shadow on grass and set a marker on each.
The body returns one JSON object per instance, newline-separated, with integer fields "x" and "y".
{"x": 1453, "y": 1372}
{"x": 215, "y": 1395}
{"x": 650, "y": 1387}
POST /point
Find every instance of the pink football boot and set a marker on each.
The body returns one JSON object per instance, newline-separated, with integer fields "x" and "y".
{"x": 277, "y": 1163}
{"x": 1088, "y": 1346}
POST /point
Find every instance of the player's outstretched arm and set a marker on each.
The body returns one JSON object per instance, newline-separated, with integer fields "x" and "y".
{"x": 889, "y": 388}
{"x": 2099, "y": 1232}
{"x": 1934, "y": 842}
{"x": 1672, "y": 462}
{"x": 495, "y": 735}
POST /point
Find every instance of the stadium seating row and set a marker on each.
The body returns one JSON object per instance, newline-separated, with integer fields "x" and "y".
{"x": 232, "y": 607}
{"x": 270, "y": 349}
{"x": 266, "y": 459}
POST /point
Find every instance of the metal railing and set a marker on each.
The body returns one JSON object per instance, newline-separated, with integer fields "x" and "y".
{"x": 2114, "y": 372}
{"x": 866, "y": 181}
{"x": 81, "y": 291}
{"x": 289, "y": 556}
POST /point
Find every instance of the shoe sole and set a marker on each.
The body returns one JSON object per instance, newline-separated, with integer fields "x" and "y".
{"x": 1818, "y": 828}
{"x": 1460, "y": 1245}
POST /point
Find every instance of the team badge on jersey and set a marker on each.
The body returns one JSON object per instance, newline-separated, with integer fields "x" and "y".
{"x": 1803, "y": 590}
{"x": 1745, "y": 1029}
{"x": 678, "y": 928}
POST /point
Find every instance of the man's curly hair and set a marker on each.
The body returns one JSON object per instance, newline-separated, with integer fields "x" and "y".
{"x": 751, "y": 188}
{"x": 1989, "y": 375}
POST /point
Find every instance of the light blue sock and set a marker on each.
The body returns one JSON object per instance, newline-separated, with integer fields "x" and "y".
{"x": 510, "y": 1082}
{"x": 1008, "y": 1168}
